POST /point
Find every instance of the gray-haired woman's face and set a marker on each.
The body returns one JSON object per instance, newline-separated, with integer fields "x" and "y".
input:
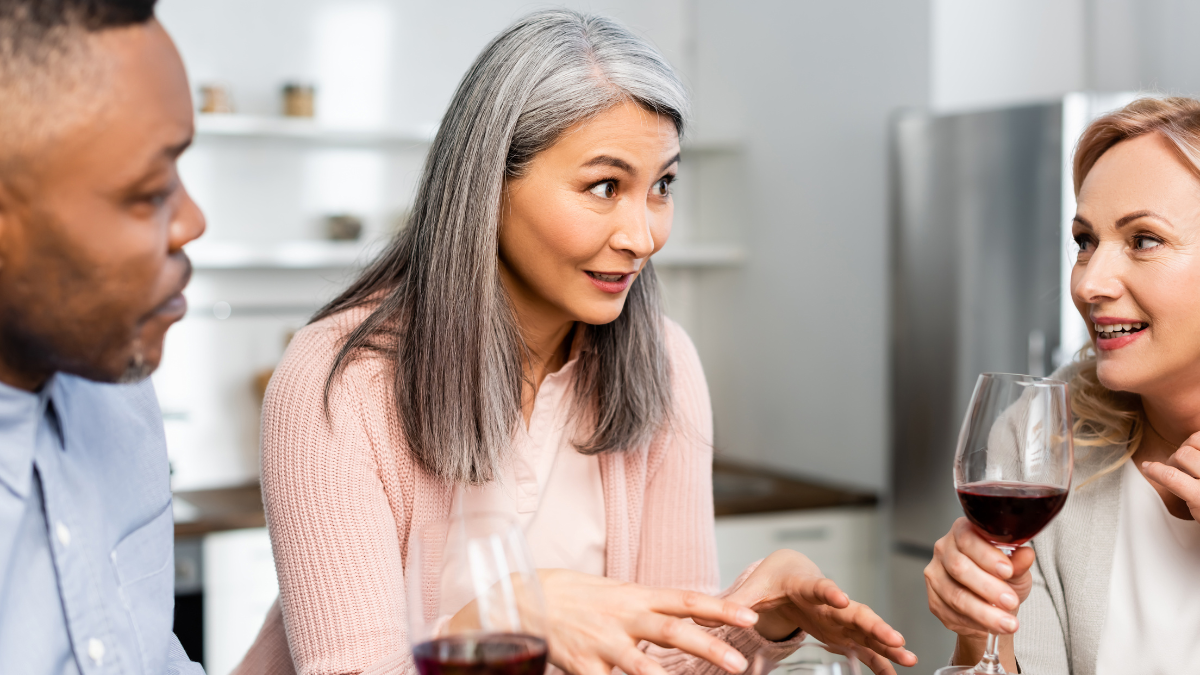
{"x": 577, "y": 228}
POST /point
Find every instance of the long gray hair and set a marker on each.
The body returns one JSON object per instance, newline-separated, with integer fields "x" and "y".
{"x": 441, "y": 313}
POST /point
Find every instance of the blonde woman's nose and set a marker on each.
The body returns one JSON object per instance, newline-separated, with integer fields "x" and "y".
{"x": 1100, "y": 278}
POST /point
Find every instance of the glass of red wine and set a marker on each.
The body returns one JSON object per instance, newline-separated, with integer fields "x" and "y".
{"x": 475, "y": 604}
{"x": 1012, "y": 468}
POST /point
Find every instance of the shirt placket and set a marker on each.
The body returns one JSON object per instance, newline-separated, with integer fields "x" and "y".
{"x": 92, "y": 640}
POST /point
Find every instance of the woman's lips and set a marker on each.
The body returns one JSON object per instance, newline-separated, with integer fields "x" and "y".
{"x": 1107, "y": 344}
{"x": 618, "y": 286}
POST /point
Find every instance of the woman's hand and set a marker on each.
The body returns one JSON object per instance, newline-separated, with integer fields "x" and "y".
{"x": 790, "y": 593}
{"x": 595, "y": 624}
{"x": 974, "y": 588}
{"x": 1180, "y": 474}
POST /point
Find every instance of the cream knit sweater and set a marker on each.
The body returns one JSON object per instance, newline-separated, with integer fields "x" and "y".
{"x": 342, "y": 497}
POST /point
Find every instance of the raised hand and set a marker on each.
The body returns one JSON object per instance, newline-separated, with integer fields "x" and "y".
{"x": 595, "y": 624}
{"x": 1180, "y": 474}
{"x": 789, "y": 593}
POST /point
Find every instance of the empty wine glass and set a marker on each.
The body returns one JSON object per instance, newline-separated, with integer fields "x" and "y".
{"x": 475, "y": 604}
{"x": 1012, "y": 468}
{"x": 810, "y": 658}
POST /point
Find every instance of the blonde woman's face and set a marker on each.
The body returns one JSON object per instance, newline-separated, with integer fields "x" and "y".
{"x": 1137, "y": 278}
{"x": 578, "y": 227}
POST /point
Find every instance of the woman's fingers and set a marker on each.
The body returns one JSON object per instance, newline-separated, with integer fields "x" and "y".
{"x": 982, "y": 552}
{"x": 701, "y": 607}
{"x": 978, "y": 566}
{"x": 634, "y": 661}
{"x": 818, "y": 591}
{"x": 967, "y": 603}
{"x": 1176, "y": 480}
{"x": 669, "y": 631}
{"x": 877, "y": 664}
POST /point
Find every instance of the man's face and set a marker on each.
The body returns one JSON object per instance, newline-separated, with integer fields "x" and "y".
{"x": 92, "y": 228}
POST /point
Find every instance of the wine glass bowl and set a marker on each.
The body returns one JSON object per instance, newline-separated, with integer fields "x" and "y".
{"x": 474, "y": 600}
{"x": 1012, "y": 468}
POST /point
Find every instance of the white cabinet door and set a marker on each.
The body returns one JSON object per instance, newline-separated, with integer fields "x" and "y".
{"x": 239, "y": 587}
{"x": 843, "y": 542}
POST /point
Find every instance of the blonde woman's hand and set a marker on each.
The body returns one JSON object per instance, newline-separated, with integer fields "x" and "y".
{"x": 595, "y": 624}
{"x": 789, "y": 593}
{"x": 1180, "y": 474}
{"x": 974, "y": 588}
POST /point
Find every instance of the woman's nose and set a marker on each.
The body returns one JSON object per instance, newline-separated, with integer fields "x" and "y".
{"x": 633, "y": 234}
{"x": 1100, "y": 279}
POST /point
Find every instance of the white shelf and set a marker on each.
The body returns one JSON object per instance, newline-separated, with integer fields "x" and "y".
{"x": 211, "y": 125}
{"x": 328, "y": 255}
{"x": 288, "y": 255}
{"x": 306, "y": 130}
{"x": 700, "y": 256}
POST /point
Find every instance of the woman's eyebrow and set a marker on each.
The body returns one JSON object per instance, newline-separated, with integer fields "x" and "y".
{"x": 1137, "y": 215}
{"x": 609, "y": 160}
{"x": 1082, "y": 221}
{"x": 669, "y": 162}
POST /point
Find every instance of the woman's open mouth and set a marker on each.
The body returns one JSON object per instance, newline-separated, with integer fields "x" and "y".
{"x": 610, "y": 282}
{"x": 1113, "y": 335}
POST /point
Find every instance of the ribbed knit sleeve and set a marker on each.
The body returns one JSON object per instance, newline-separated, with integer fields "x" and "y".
{"x": 333, "y": 530}
{"x": 678, "y": 547}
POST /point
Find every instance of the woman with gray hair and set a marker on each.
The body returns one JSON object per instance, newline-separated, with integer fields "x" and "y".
{"x": 509, "y": 353}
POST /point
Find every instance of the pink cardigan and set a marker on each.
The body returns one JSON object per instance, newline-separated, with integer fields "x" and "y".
{"x": 342, "y": 497}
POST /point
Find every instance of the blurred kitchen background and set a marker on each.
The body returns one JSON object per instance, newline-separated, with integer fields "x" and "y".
{"x": 869, "y": 213}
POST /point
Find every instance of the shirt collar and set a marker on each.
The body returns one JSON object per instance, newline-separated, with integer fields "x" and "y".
{"x": 21, "y": 412}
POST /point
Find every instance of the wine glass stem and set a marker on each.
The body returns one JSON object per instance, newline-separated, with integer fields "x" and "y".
{"x": 990, "y": 663}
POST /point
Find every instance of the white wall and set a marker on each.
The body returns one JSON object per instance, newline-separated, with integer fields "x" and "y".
{"x": 795, "y": 344}
{"x": 986, "y": 52}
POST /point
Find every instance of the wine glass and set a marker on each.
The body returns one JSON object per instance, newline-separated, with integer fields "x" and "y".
{"x": 810, "y": 658}
{"x": 475, "y": 604}
{"x": 1012, "y": 468}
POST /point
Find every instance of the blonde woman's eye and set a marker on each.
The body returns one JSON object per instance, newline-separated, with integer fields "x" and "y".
{"x": 1083, "y": 244}
{"x": 605, "y": 190}
{"x": 1145, "y": 243}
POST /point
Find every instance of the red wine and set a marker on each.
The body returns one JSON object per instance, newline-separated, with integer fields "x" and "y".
{"x": 490, "y": 654}
{"x": 1010, "y": 514}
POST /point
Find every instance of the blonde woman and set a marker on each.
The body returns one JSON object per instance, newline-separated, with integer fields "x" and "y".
{"x": 509, "y": 353}
{"x": 1114, "y": 587}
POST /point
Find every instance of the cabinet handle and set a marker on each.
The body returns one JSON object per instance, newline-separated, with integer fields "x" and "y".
{"x": 812, "y": 533}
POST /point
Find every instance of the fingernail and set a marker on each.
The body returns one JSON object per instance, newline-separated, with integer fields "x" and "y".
{"x": 1003, "y": 569}
{"x": 736, "y": 663}
{"x": 1009, "y": 600}
{"x": 747, "y": 616}
{"x": 1009, "y": 623}
{"x": 1145, "y": 465}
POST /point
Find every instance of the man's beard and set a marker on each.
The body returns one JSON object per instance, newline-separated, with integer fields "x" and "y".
{"x": 137, "y": 369}
{"x": 36, "y": 353}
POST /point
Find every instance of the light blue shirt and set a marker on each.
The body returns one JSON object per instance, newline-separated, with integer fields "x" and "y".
{"x": 86, "y": 533}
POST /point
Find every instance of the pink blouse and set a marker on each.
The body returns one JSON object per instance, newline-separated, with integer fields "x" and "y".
{"x": 343, "y": 495}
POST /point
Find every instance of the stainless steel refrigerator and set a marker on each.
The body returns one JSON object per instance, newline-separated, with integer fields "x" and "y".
{"x": 982, "y": 203}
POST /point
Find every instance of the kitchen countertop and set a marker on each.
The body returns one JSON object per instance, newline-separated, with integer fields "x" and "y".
{"x": 738, "y": 489}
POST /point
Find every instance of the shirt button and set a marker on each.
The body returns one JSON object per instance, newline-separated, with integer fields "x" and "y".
{"x": 64, "y": 535}
{"x": 96, "y": 650}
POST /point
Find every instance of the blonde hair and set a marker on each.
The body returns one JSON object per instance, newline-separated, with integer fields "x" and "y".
{"x": 1104, "y": 417}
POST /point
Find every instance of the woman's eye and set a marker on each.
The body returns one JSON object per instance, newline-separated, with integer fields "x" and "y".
{"x": 605, "y": 190}
{"x": 662, "y": 188}
{"x": 1144, "y": 243}
{"x": 1083, "y": 243}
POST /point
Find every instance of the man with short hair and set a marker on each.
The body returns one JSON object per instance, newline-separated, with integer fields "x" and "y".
{"x": 94, "y": 111}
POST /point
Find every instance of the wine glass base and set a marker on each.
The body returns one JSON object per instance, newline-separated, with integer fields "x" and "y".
{"x": 968, "y": 670}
